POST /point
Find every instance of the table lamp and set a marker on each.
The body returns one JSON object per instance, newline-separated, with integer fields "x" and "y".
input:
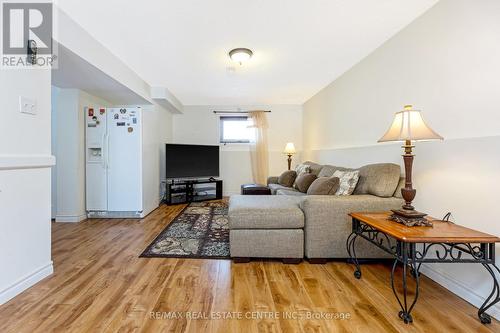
{"x": 407, "y": 126}
{"x": 290, "y": 150}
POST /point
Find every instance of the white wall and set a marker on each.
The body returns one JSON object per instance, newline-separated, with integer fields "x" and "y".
{"x": 199, "y": 125}
{"x": 446, "y": 63}
{"x": 68, "y": 142}
{"x": 53, "y": 148}
{"x": 25, "y": 162}
{"x": 157, "y": 130}
{"x": 166, "y": 135}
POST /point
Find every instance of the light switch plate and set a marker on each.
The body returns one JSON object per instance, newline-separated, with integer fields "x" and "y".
{"x": 27, "y": 105}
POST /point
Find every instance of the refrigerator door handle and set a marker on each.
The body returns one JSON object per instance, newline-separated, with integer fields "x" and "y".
{"x": 104, "y": 152}
{"x": 107, "y": 151}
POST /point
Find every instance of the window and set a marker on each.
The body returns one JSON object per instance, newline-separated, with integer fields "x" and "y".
{"x": 234, "y": 129}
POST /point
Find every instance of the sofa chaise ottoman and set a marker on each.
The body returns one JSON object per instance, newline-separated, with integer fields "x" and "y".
{"x": 263, "y": 228}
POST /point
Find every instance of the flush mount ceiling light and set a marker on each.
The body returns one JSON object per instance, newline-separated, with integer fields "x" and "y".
{"x": 240, "y": 55}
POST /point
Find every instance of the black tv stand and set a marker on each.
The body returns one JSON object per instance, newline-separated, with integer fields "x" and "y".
{"x": 193, "y": 190}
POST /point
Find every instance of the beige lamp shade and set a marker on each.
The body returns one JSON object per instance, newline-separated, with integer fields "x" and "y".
{"x": 409, "y": 125}
{"x": 290, "y": 148}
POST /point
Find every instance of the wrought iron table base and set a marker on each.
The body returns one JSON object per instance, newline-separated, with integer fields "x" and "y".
{"x": 413, "y": 255}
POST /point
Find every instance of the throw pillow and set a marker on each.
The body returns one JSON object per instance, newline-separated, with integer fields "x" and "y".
{"x": 302, "y": 169}
{"x": 324, "y": 186}
{"x": 378, "y": 179}
{"x": 348, "y": 181}
{"x": 303, "y": 182}
{"x": 287, "y": 178}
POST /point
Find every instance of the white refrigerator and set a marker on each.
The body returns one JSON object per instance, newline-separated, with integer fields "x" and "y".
{"x": 114, "y": 172}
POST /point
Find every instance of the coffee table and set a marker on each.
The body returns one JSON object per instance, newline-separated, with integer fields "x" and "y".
{"x": 444, "y": 242}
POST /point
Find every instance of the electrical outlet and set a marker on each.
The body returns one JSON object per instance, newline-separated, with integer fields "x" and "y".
{"x": 27, "y": 105}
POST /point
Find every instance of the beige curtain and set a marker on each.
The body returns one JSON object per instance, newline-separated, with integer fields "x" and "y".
{"x": 258, "y": 148}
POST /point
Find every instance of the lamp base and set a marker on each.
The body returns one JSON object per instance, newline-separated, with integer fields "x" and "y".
{"x": 289, "y": 160}
{"x": 410, "y": 218}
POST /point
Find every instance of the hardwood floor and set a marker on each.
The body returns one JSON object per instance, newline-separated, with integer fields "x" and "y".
{"x": 101, "y": 285}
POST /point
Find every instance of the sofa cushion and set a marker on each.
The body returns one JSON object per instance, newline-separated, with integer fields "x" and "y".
{"x": 289, "y": 192}
{"x": 266, "y": 243}
{"x": 328, "y": 170}
{"x": 303, "y": 182}
{"x": 275, "y": 187}
{"x": 265, "y": 212}
{"x": 378, "y": 179}
{"x": 324, "y": 186}
{"x": 287, "y": 178}
{"x": 348, "y": 181}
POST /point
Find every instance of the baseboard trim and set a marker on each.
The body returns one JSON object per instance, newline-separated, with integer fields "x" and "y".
{"x": 459, "y": 289}
{"x": 26, "y": 282}
{"x": 71, "y": 218}
{"x": 148, "y": 210}
{"x": 13, "y": 162}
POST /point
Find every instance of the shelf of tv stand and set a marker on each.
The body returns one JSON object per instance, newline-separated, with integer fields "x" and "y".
{"x": 185, "y": 191}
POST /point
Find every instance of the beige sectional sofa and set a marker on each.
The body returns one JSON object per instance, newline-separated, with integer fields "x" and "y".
{"x": 326, "y": 224}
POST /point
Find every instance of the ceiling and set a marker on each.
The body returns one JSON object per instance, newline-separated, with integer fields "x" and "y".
{"x": 299, "y": 46}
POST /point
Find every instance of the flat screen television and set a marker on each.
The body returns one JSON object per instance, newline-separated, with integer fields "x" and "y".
{"x": 191, "y": 161}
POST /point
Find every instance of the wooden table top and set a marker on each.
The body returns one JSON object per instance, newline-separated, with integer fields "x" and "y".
{"x": 440, "y": 232}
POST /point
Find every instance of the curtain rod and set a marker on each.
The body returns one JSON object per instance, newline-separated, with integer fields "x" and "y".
{"x": 238, "y": 111}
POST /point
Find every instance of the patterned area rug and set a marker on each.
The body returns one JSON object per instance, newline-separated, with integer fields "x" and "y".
{"x": 201, "y": 230}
